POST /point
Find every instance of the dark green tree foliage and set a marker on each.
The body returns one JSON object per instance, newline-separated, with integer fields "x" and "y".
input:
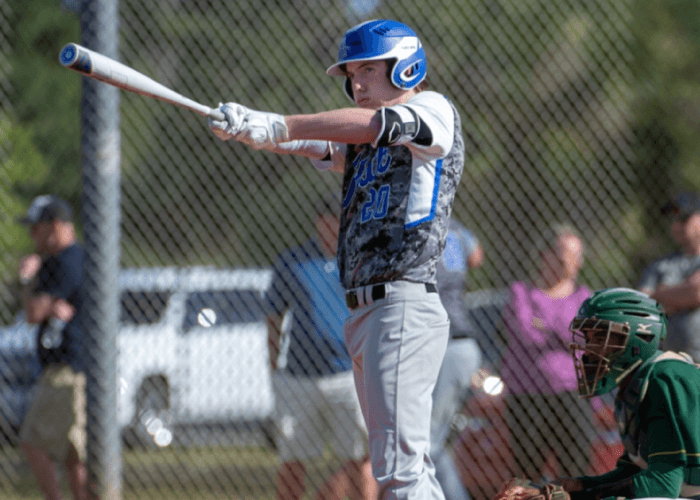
{"x": 568, "y": 107}
{"x": 39, "y": 126}
{"x": 46, "y": 101}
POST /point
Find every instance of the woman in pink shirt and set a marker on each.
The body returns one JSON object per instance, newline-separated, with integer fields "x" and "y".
{"x": 544, "y": 410}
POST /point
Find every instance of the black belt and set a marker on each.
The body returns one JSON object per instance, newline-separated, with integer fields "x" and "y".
{"x": 378, "y": 292}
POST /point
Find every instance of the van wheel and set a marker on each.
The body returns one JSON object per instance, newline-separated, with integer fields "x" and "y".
{"x": 152, "y": 424}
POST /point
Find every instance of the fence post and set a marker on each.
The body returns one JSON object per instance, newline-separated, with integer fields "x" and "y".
{"x": 101, "y": 157}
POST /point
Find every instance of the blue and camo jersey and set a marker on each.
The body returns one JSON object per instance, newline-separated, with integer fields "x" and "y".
{"x": 306, "y": 283}
{"x": 397, "y": 199}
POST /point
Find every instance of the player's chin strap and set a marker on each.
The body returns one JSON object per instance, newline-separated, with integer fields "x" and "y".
{"x": 624, "y": 489}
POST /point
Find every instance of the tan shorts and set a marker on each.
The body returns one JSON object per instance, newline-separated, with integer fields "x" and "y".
{"x": 57, "y": 415}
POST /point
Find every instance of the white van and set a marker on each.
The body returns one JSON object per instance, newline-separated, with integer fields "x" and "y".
{"x": 192, "y": 351}
{"x": 192, "y": 348}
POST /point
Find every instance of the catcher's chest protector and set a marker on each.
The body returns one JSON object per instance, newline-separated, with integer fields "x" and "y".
{"x": 627, "y": 405}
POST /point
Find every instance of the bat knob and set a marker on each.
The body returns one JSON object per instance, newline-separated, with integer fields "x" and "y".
{"x": 75, "y": 57}
{"x": 68, "y": 54}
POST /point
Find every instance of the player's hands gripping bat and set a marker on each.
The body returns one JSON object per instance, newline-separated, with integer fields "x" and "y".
{"x": 258, "y": 129}
{"x": 262, "y": 130}
{"x": 104, "y": 69}
{"x": 522, "y": 489}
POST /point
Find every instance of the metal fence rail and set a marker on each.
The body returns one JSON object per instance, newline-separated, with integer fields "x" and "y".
{"x": 564, "y": 119}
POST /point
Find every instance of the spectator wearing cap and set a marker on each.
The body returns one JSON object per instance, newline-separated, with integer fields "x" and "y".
{"x": 51, "y": 282}
{"x": 674, "y": 280}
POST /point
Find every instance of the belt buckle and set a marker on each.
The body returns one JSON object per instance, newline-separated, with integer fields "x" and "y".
{"x": 378, "y": 292}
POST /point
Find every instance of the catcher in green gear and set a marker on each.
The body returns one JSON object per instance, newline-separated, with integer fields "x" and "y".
{"x": 616, "y": 338}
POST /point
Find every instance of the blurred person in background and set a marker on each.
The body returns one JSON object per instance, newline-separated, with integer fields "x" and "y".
{"x": 544, "y": 412}
{"x": 674, "y": 280}
{"x": 315, "y": 398}
{"x": 462, "y": 358}
{"x": 51, "y": 281}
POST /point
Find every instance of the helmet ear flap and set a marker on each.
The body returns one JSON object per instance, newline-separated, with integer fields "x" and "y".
{"x": 409, "y": 72}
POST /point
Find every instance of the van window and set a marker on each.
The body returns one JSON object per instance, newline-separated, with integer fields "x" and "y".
{"x": 142, "y": 308}
{"x": 224, "y": 307}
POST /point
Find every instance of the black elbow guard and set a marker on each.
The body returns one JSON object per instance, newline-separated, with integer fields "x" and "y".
{"x": 400, "y": 125}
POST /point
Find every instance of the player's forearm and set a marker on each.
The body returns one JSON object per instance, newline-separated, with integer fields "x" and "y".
{"x": 621, "y": 489}
{"x": 348, "y": 125}
{"x": 314, "y": 149}
{"x": 623, "y": 470}
{"x": 659, "y": 480}
{"x": 678, "y": 297}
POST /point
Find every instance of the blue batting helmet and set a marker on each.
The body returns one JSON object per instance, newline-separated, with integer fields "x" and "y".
{"x": 383, "y": 39}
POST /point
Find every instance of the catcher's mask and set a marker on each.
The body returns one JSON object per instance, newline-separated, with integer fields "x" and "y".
{"x": 614, "y": 332}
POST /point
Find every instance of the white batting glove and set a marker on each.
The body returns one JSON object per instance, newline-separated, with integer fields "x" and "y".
{"x": 258, "y": 129}
{"x": 226, "y": 129}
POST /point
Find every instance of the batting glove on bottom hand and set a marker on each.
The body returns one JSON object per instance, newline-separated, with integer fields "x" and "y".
{"x": 258, "y": 129}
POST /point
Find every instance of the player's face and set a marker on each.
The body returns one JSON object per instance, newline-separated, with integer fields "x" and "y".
{"x": 595, "y": 343}
{"x": 603, "y": 343}
{"x": 371, "y": 86}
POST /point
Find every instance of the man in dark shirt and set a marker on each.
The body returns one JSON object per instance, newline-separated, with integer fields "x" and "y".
{"x": 51, "y": 281}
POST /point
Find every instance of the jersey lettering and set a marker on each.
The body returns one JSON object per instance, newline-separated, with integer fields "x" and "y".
{"x": 366, "y": 170}
{"x": 364, "y": 174}
{"x": 377, "y": 206}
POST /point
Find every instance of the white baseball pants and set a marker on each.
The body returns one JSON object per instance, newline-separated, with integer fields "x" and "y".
{"x": 397, "y": 344}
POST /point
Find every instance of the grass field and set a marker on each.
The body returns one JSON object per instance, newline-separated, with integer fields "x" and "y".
{"x": 176, "y": 473}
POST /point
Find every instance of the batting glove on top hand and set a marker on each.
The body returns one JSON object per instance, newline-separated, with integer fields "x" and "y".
{"x": 258, "y": 129}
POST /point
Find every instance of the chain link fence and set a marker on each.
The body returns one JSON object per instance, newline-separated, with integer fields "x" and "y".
{"x": 572, "y": 111}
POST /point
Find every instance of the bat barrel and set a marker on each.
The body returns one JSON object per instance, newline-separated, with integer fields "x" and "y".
{"x": 73, "y": 57}
{"x": 102, "y": 68}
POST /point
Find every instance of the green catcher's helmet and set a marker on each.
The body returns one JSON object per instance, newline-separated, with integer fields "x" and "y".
{"x": 615, "y": 330}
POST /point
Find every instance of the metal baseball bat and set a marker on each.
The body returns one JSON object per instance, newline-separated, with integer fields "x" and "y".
{"x": 105, "y": 69}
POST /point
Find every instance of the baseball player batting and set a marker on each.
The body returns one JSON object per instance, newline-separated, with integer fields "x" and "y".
{"x": 401, "y": 153}
{"x": 617, "y": 333}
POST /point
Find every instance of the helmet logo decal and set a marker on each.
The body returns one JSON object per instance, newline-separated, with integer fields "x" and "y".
{"x": 644, "y": 328}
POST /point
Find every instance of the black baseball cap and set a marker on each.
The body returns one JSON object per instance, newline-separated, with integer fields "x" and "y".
{"x": 47, "y": 208}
